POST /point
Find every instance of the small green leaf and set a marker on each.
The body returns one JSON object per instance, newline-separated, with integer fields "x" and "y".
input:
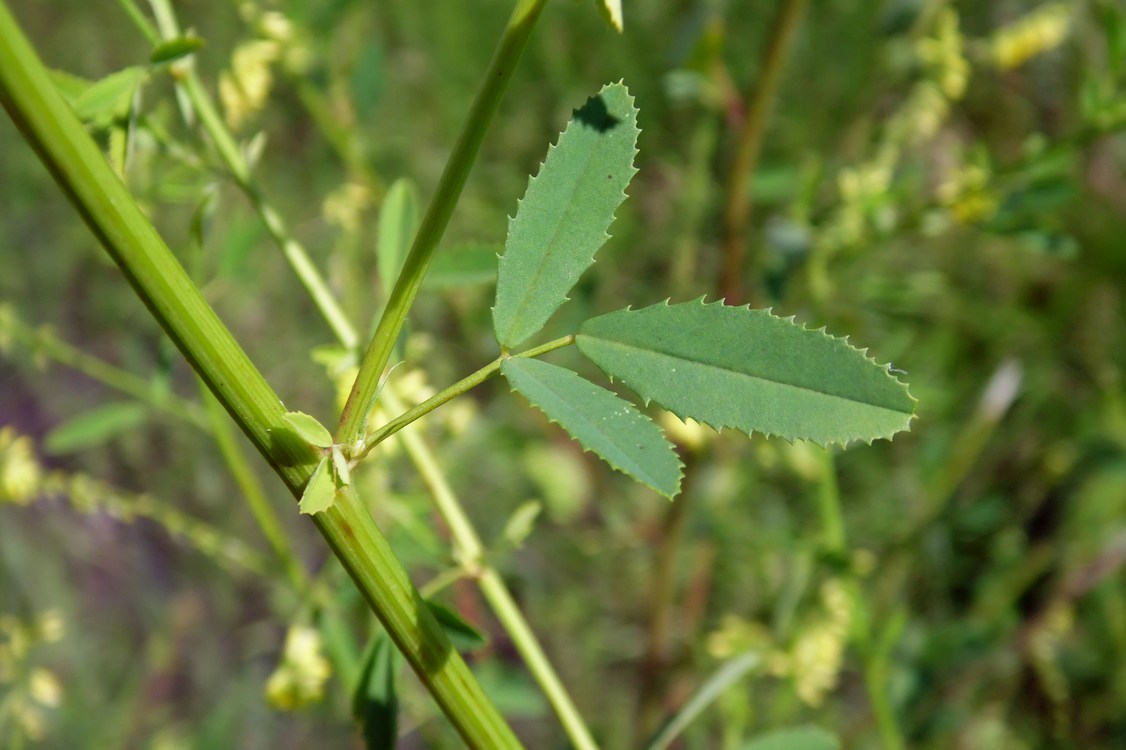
{"x": 462, "y": 635}
{"x": 521, "y": 523}
{"x": 611, "y": 10}
{"x": 69, "y": 85}
{"x": 110, "y": 98}
{"x": 171, "y": 50}
{"x": 611, "y": 428}
{"x": 747, "y": 369}
{"x": 375, "y": 703}
{"x": 311, "y": 431}
{"x": 320, "y": 492}
{"x": 565, "y": 214}
{"x": 94, "y": 427}
{"x": 398, "y": 221}
{"x": 343, "y": 473}
{"x": 461, "y": 266}
{"x": 800, "y": 738}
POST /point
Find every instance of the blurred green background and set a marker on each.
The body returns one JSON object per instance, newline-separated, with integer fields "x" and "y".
{"x": 945, "y": 183}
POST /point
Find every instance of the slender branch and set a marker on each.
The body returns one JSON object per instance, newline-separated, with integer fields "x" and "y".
{"x": 737, "y": 210}
{"x": 455, "y": 390}
{"x": 109, "y": 210}
{"x": 513, "y": 40}
{"x": 42, "y": 340}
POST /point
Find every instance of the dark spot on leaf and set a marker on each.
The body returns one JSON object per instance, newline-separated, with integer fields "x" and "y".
{"x": 594, "y": 114}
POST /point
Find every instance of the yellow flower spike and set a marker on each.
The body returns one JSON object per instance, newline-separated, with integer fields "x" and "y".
{"x": 44, "y": 688}
{"x": 1042, "y": 30}
{"x": 19, "y": 470}
{"x": 300, "y": 679}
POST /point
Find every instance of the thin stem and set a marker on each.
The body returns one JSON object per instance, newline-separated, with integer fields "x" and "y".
{"x": 874, "y": 655}
{"x": 229, "y": 152}
{"x": 293, "y": 250}
{"x": 662, "y": 596}
{"x": 471, "y": 552}
{"x": 139, "y": 20}
{"x": 211, "y": 419}
{"x": 465, "y": 384}
{"x": 96, "y": 369}
{"x": 737, "y": 210}
{"x": 111, "y": 213}
{"x": 513, "y": 40}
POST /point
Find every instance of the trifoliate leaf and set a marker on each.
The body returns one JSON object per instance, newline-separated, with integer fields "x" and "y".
{"x": 748, "y": 369}
{"x": 311, "y": 431}
{"x": 565, "y": 214}
{"x": 611, "y": 428}
{"x": 320, "y": 492}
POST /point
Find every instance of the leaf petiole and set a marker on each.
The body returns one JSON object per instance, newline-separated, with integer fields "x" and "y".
{"x": 458, "y": 388}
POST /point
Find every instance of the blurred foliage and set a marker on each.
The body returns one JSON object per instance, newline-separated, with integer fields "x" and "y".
{"x": 942, "y": 181}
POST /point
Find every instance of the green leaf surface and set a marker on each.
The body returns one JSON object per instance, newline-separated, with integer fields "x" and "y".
{"x": 398, "y": 221}
{"x": 109, "y": 98}
{"x": 311, "y": 431}
{"x": 799, "y": 738}
{"x": 602, "y": 422}
{"x": 748, "y": 369}
{"x": 462, "y": 635}
{"x": 462, "y": 266}
{"x": 564, "y": 216}
{"x": 375, "y": 703}
{"x": 94, "y": 427}
{"x": 171, "y": 50}
{"x": 320, "y": 492}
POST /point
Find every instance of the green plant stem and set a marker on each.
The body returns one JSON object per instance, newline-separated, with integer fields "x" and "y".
{"x": 760, "y": 99}
{"x": 41, "y": 340}
{"x": 662, "y": 599}
{"x": 501, "y": 68}
{"x": 462, "y": 386}
{"x": 464, "y": 535}
{"x": 109, "y": 210}
{"x": 293, "y": 250}
{"x": 471, "y": 552}
{"x": 874, "y": 654}
{"x": 232, "y": 156}
{"x": 139, "y": 20}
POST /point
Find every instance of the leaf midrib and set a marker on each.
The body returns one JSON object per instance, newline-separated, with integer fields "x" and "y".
{"x": 661, "y": 353}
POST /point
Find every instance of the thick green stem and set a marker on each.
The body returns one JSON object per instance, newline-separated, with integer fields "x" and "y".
{"x": 503, "y": 65}
{"x": 109, "y": 210}
{"x": 737, "y": 210}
